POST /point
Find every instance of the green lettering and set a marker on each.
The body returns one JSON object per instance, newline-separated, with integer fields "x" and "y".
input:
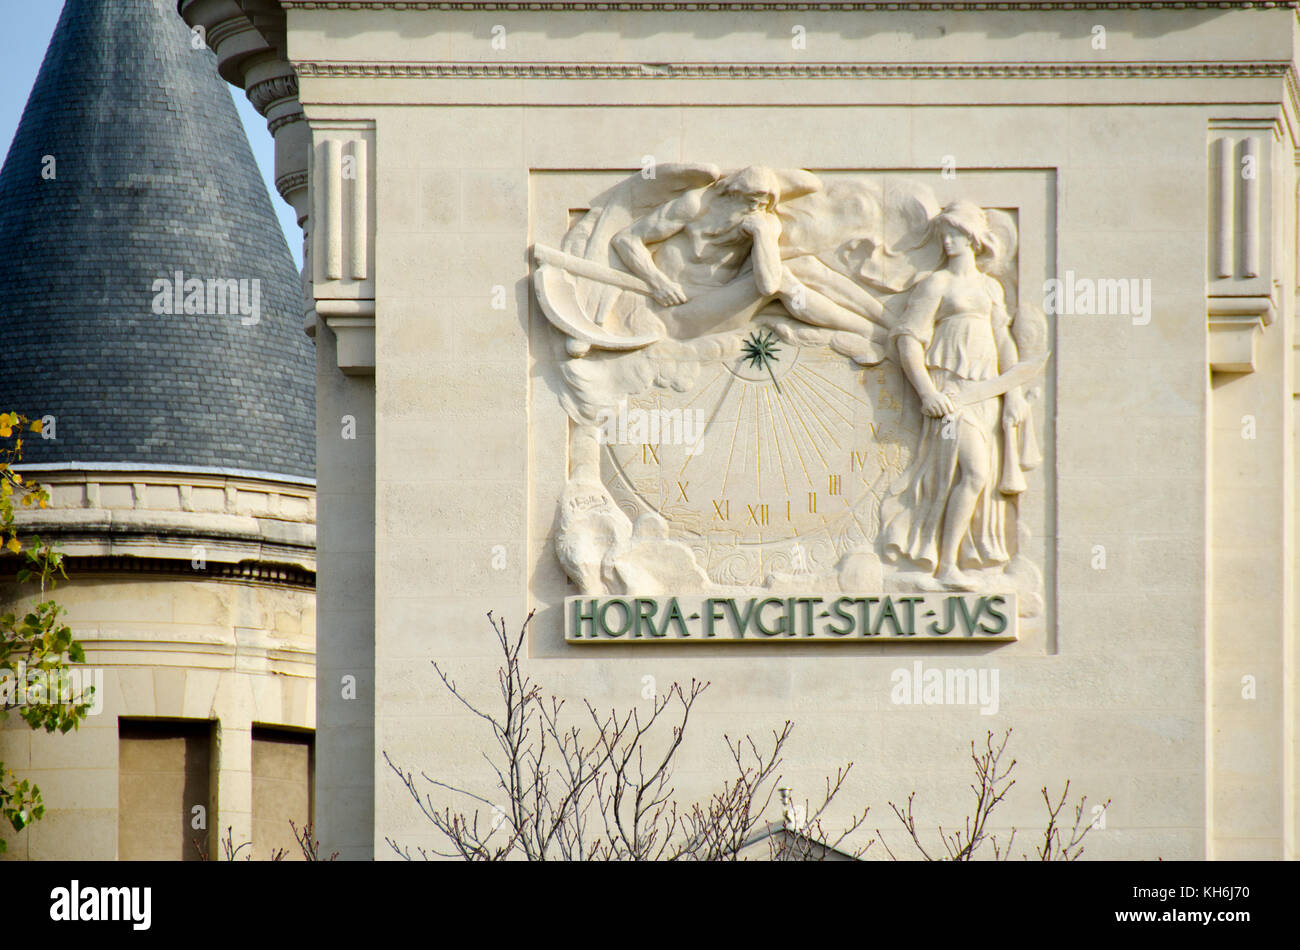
{"x": 809, "y": 604}
{"x": 762, "y": 627}
{"x": 604, "y": 617}
{"x": 886, "y": 613}
{"x": 741, "y": 621}
{"x": 674, "y": 616}
{"x": 646, "y": 608}
{"x": 838, "y": 612}
{"x": 579, "y": 617}
{"x": 967, "y": 620}
{"x": 934, "y": 627}
{"x": 909, "y": 616}
{"x": 710, "y": 615}
{"x": 864, "y": 612}
{"x": 987, "y": 606}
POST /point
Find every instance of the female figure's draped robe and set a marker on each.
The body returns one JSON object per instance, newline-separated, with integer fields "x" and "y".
{"x": 959, "y": 349}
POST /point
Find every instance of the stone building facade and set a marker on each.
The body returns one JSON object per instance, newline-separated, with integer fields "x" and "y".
{"x": 178, "y": 448}
{"x": 998, "y": 301}
{"x": 1136, "y": 165}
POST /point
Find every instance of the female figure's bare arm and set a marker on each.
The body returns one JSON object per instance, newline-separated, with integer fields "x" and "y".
{"x": 921, "y": 309}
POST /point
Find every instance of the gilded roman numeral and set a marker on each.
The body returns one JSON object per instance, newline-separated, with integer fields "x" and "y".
{"x": 757, "y": 514}
{"x": 812, "y": 503}
{"x": 722, "y": 510}
{"x": 835, "y": 485}
{"x": 648, "y": 452}
{"x": 858, "y": 460}
{"x": 681, "y": 491}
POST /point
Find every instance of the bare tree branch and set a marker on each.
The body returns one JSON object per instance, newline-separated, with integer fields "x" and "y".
{"x": 603, "y": 789}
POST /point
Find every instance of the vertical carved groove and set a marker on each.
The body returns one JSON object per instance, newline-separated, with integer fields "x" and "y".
{"x": 1250, "y": 206}
{"x": 1223, "y": 242}
{"x": 359, "y": 237}
{"x": 329, "y": 208}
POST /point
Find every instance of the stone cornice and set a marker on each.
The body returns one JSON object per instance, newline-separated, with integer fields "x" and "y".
{"x": 171, "y": 516}
{"x": 569, "y": 6}
{"x": 274, "y": 89}
{"x": 287, "y": 183}
{"x": 276, "y": 124}
{"x": 279, "y": 575}
{"x": 483, "y": 70}
{"x": 114, "y": 471}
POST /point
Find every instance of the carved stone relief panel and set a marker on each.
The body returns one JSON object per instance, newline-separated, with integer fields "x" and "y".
{"x": 781, "y": 383}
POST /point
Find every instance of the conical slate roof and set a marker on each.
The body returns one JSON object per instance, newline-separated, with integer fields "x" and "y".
{"x": 152, "y": 175}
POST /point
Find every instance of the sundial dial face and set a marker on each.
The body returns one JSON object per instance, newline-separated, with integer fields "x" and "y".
{"x": 779, "y": 461}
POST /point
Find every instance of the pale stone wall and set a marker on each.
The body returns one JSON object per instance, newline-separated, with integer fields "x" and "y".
{"x": 237, "y": 653}
{"x": 1130, "y": 686}
{"x": 345, "y": 658}
{"x": 172, "y": 640}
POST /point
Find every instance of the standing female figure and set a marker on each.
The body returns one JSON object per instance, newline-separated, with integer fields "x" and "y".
{"x": 954, "y": 332}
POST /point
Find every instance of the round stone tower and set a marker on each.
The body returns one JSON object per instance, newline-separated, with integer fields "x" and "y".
{"x": 153, "y": 319}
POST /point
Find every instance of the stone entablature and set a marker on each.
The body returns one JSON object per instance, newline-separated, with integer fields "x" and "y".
{"x": 225, "y": 520}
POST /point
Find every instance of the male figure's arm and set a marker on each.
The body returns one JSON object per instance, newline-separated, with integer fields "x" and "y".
{"x": 661, "y": 224}
{"x": 764, "y": 228}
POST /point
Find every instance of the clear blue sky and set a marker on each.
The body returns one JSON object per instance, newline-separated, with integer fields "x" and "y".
{"x": 28, "y": 27}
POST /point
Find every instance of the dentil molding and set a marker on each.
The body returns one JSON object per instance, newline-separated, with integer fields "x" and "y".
{"x": 516, "y": 70}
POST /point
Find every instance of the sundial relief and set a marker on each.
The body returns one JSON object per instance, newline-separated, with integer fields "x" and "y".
{"x": 801, "y": 408}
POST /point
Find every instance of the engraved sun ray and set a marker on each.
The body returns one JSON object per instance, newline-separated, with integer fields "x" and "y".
{"x": 854, "y": 512}
{"x": 818, "y": 391}
{"x": 758, "y": 447}
{"x": 717, "y": 376}
{"x": 776, "y": 440}
{"x": 731, "y": 379}
{"x": 734, "y": 432}
{"x": 837, "y": 387}
{"x": 794, "y": 440}
{"x": 808, "y": 431}
{"x": 800, "y": 389}
{"x": 634, "y": 486}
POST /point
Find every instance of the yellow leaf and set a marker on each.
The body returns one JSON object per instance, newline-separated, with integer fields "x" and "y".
{"x": 6, "y": 431}
{"x": 36, "y": 425}
{"x": 42, "y": 502}
{"x": 4, "y": 418}
{"x": 14, "y": 545}
{"x": 18, "y": 478}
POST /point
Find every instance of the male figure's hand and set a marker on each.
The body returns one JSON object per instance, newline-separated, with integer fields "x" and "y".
{"x": 667, "y": 292}
{"x": 761, "y": 224}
